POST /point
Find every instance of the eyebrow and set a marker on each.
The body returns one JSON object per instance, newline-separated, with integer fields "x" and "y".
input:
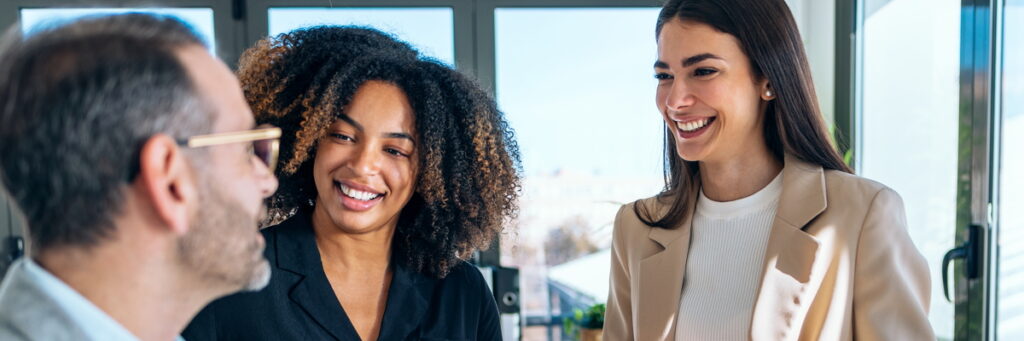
{"x": 400, "y": 135}
{"x": 699, "y": 58}
{"x": 349, "y": 120}
{"x": 689, "y": 61}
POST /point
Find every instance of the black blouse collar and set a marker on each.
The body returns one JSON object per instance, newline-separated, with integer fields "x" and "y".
{"x": 408, "y": 296}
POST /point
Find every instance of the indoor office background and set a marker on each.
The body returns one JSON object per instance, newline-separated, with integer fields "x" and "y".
{"x": 925, "y": 96}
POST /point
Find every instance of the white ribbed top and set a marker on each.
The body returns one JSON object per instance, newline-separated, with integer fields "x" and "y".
{"x": 723, "y": 268}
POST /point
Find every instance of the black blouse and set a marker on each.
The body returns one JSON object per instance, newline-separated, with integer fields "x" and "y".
{"x": 299, "y": 303}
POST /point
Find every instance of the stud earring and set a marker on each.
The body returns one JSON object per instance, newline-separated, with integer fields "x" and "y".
{"x": 768, "y": 93}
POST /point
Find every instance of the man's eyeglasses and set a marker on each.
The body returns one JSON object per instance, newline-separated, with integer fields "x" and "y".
{"x": 265, "y": 142}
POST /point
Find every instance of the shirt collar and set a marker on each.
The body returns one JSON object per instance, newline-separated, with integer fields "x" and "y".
{"x": 90, "y": 318}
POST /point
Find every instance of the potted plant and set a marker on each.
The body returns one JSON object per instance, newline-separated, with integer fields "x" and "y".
{"x": 586, "y": 325}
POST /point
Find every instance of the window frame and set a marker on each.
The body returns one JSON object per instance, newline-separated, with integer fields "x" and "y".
{"x": 975, "y": 300}
{"x": 257, "y": 23}
{"x": 225, "y": 24}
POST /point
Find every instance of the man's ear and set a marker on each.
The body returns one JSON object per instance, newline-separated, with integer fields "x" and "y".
{"x": 167, "y": 182}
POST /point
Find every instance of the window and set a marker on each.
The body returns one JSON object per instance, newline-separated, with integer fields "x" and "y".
{"x": 910, "y": 120}
{"x": 1010, "y": 283}
{"x": 578, "y": 88}
{"x": 429, "y": 29}
{"x": 201, "y": 19}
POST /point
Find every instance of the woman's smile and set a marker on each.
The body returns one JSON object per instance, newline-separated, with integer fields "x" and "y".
{"x": 693, "y": 127}
{"x": 357, "y": 197}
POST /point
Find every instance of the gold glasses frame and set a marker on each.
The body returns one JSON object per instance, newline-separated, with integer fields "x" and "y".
{"x": 264, "y": 132}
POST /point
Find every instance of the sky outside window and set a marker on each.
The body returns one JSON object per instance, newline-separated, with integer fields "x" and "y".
{"x": 201, "y": 19}
{"x": 429, "y": 29}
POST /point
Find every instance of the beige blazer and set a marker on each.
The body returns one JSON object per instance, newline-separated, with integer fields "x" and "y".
{"x": 839, "y": 266}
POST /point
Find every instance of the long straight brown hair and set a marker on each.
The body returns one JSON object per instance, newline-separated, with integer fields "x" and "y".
{"x": 793, "y": 124}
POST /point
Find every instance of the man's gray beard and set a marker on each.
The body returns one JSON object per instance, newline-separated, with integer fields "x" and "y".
{"x": 260, "y": 277}
{"x": 215, "y": 225}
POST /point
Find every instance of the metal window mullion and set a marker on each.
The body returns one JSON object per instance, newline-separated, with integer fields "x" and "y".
{"x": 463, "y": 12}
{"x": 974, "y": 305}
{"x": 227, "y": 31}
{"x": 485, "y": 45}
{"x": 849, "y": 61}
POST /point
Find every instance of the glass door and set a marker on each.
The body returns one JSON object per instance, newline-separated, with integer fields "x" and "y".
{"x": 988, "y": 280}
{"x": 907, "y": 127}
{"x": 940, "y": 96}
{"x": 1009, "y": 189}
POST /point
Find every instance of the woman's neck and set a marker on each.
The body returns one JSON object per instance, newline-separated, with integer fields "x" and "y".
{"x": 739, "y": 177}
{"x": 368, "y": 252}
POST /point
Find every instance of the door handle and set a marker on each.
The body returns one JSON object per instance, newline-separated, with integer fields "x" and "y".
{"x": 969, "y": 251}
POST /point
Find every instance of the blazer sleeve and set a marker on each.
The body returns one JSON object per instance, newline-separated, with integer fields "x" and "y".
{"x": 490, "y": 321}
{"x": 892, "y": 285}
{"x": 618, "y": 317}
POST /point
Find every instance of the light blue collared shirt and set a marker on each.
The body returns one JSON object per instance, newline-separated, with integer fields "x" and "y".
{"x": 90, "y": 318}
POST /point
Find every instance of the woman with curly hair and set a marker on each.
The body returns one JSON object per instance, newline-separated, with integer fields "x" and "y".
{"x": 394, "y": 169}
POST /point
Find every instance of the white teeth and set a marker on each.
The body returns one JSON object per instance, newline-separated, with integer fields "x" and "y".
{"x": 357, "y": 194}
{"x": 692, "y": 125}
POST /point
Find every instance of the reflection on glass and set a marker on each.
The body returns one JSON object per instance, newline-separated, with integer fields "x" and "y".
{"x": 1010, "y": 224}
{"x": 201, "y": 19}
{"x": 910, "y": 115}
{"x": 578, "y": 88}
{"x": 429, "y": 29}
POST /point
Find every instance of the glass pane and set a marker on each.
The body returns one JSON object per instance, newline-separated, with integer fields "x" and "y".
{"x": 910, "y": 98}
{"x": 1010, "y": 223}
{"x": 429, "y": 29}
{"x": 578, "y": 88}
{"x": 201, "y": 19}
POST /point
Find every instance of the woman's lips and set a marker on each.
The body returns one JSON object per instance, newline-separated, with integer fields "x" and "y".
{"x": 356, "y": 200}
{"x": 694, "y": 128}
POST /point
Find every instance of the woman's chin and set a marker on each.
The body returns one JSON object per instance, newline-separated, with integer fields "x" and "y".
{"x": 692, "y": 154}
{"x": 356, "y": 227}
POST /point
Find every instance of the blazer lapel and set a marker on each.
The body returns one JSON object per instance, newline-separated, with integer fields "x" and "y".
{"x": 790, "y": 255}
{"x": 297, "y": 253}
{"x": 409, "y": 291}
{"x": 661, "y": 280}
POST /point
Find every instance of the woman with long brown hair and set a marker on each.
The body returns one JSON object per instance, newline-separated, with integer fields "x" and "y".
{"x": 762, "y": 232}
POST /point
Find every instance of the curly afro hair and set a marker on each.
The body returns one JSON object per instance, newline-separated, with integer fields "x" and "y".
{"x": 469, "y": 174}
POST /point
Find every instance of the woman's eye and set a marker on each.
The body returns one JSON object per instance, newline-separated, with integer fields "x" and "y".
{"x": 701, "y": 72}
{"x": 340, "y": 137}
{"x": 394, "y": 152}
{"x": 662, "y": 76}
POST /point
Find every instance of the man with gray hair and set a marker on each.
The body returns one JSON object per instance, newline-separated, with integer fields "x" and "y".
{"x": 135, "y": 160}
